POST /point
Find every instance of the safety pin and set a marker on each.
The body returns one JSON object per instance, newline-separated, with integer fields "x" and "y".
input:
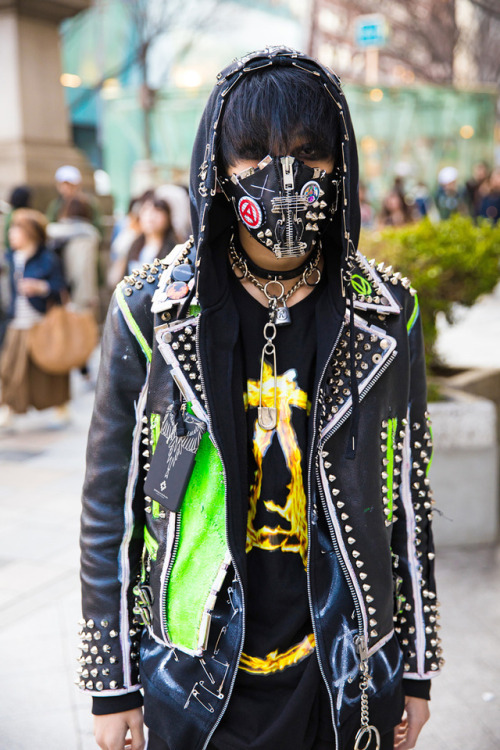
{"x": 195, "y": 694}
{"x": 193, "y": 690}
{"x": 222, "y": 632}
{"x": 230, "y": 590}
{"x": 204, "y": 666}
{"x": 218, "y": 695}
{"x": 226, "y": 666}
{"x": 209, "y": 707}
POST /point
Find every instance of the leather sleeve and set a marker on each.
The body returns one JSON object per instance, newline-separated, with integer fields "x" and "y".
{"x": 113, "y": 505}
{"x": 416, "y": 611}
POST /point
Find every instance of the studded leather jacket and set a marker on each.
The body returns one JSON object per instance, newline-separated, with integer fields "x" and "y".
{"x": 164, "y": 592}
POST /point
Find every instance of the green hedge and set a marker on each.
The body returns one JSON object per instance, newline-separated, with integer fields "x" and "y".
{"x": 454, "y": 261}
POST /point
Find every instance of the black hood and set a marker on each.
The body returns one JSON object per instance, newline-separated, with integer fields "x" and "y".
{"x": 213, "y": 217}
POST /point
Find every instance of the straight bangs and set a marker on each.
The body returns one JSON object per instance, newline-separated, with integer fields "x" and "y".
{"x": 269, "y": 110}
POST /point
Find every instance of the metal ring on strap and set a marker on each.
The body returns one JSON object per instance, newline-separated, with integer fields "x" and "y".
{"x": 274, "y": 296}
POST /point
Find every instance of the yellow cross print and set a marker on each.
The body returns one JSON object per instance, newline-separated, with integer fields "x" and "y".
{"x": 294, "y": 511}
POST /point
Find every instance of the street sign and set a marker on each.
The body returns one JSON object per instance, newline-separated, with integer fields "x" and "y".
{"x": 371, "y": 31}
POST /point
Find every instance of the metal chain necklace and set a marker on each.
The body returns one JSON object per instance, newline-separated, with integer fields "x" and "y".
{"x": 279, "y": 315}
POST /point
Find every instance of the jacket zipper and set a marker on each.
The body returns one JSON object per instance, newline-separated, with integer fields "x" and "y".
{"x": 216, "y": 445}
{"x": 171, "y": 561}
{"x": 309, "y": 592}
{"x": 361, "y": 641}
{"x": 365, "y": 390}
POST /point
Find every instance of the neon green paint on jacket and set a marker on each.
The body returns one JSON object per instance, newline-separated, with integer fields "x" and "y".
{"x": 154, "y": 431}
{"x": 391, "y": 439}
{"x": 201, "y": 549}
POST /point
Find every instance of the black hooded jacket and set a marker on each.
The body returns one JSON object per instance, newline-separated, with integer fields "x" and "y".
{"x": 370, "y": 567}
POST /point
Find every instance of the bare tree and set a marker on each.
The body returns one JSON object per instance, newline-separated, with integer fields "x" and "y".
{"x": 423, "y": 34}
{"x": 487, "y": 51}
{"x": 152, "y": 20}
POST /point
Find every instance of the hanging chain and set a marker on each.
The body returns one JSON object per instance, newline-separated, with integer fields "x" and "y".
{"x": 366, "y": 731}
{"x": 268, "y": 415}
{"x": 279, "y": 315}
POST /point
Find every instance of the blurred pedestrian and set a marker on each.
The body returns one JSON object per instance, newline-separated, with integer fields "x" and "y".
{"x": 157, "y": 237}
{"x": 74, "y": 238}
{"x": 20, "y": 197}
{"x": 393, "y": 213}
{"x": 366, "y": 208}
{"x": 37, "y": 282}
{"x": 450, "y": 199}
{"x": 69, "y": 184}
{"x": 424, "y": 203}
{"x": 490, "y": 204}
{"x": 125, "y": 232}
{"x": 477, "y": 187}
{"x": 396, "y": 210}
{"x": 177, "y": 197}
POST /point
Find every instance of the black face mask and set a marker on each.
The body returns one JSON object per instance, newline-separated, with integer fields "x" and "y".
{"x": 283, "y": 203}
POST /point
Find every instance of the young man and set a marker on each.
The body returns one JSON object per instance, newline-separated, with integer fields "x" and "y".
{"x": 256, "y": 544}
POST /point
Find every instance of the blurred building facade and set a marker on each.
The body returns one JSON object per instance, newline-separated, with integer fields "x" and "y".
{"x": 35, "y": 136}
{"x": 450, "y": 42}
{"x": 134, "y": 116}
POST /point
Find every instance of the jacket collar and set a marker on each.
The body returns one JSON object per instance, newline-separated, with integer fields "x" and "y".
{"x": 370, "y": 284}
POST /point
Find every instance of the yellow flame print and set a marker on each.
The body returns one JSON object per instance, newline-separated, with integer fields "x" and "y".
{"x": 275, "y": 662}
{"x": 294, "y": 510}
{"x": 268, "y": 538}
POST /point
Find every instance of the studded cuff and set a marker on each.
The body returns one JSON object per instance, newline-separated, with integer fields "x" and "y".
{"x": 101, "y": 665}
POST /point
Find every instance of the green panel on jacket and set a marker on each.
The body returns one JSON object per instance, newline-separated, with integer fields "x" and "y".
{"x": 201, "y": 550}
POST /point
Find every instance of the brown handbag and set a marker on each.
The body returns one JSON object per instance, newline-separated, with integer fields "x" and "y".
{"x": 63, "y": 339}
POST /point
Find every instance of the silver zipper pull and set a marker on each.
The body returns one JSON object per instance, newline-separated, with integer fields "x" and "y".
{"x": 287, "y": 162}
{"x": 367, "y": 731}
{"x": 362, "y": 648}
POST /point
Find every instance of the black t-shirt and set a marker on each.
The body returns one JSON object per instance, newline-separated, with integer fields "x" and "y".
{"x": 278, "y": 696}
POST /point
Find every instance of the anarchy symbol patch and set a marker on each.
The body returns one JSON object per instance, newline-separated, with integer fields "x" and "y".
{"x": 250, "y": 212}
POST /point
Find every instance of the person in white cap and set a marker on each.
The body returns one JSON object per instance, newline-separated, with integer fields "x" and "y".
{"x": 69, "y": 184}
{"x": 449, "y": 197}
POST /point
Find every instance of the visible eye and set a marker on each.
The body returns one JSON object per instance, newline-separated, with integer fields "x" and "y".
{"x": 307, "y": 150}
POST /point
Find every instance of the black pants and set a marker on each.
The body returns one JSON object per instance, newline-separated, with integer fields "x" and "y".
{"x": 386, "y": 743}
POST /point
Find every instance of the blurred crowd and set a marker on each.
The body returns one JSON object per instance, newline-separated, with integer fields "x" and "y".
{"x": 410, "y": 200}
{"x": 70, "y": 258}
{"x": 65, "y": 258}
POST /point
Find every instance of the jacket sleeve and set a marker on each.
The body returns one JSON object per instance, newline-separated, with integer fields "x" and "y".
{"x": 416, "y": 616}
{"x": 56, "y": 278}
{"x": 112, "y": 521}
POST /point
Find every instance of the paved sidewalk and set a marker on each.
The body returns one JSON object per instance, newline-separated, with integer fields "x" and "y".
{"x": 473, "y": 340}
{"x": 41, "y": 473}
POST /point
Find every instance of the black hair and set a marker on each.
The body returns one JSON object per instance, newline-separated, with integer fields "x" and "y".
{"x": 20, "y": 197}
{"x": 270, "y": 108}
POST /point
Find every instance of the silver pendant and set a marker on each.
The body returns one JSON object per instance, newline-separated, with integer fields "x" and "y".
{"x": 267, "y": 417}
{"x": 283, "y": 317}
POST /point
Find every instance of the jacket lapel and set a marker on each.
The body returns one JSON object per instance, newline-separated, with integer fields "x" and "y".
{"x": 374, "y": 354}
{"x": 371, "y": 286}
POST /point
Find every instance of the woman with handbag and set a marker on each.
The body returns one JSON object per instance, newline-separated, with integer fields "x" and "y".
{"x": 37, "y": 283}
